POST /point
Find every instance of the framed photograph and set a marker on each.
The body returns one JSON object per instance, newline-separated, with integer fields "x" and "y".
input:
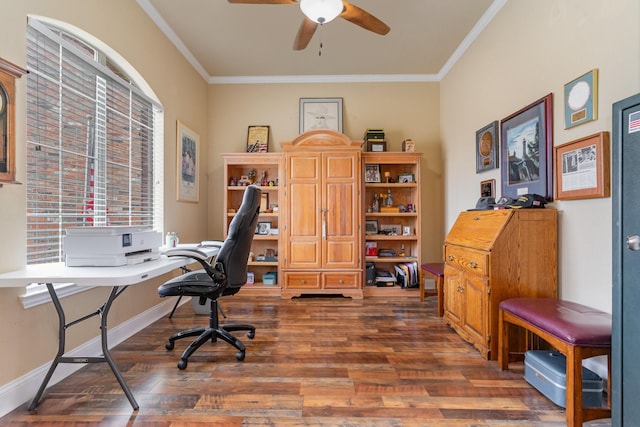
{"x": 405, "y": 178}
{"x": 371, "y": 227}
{"x": 582, "y": 168}
{"x": 258, "y": 139}
{"x": 488, "y": 188}
{"x": 320, "y": 113}
{"x": 487, "y": 147}
{"x": 188, "y": 157}
{"x": 263, "y": 228}
{"x": 581, "y": 99}
{"x": 372, "y": 173}
{"x": 526, "y": 139}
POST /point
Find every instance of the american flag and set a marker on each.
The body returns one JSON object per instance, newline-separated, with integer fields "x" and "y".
{"x": 634, "y": 122}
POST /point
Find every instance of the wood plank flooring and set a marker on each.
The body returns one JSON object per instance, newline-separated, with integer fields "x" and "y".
{"x": 322, "y": 361}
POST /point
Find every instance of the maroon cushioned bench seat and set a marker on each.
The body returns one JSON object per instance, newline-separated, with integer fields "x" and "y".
{"x": 577, "y": 331}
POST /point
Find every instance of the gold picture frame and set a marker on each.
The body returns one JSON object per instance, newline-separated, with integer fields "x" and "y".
{"x": 582, "y": 168}
{"x": 188, "y": 164}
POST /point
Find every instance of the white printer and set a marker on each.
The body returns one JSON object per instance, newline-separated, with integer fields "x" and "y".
{"x": 110, "y": 246}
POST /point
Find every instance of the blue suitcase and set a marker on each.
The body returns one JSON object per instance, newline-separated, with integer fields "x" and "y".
{"x": 546, "y": 372}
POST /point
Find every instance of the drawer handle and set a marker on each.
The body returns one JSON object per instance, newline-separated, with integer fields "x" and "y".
{"x": 451, "y": 257}
{"x": 473, "y": 264}
{"x": 303, "y": 281}
{"x": 341, "y": 281}
{"x": 460, "y": 289}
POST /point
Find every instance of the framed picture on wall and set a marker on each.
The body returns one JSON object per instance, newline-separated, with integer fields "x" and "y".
{"x": 526, "y": 138}
{"x": 188, "y": 159}
{"x": 320, "y": 113}
{"x": 487, "y": 147}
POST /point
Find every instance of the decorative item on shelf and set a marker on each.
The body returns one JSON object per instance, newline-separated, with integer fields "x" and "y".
{"x": 250, "y": 278}
{"x": 263, "y": 180}
{"x": 233, "y": 181}
{"x": 252, "y": 176}
{"x": 410, "y": 208}
{"x": 264, "y": 202}
{"x": 371, "y": 227}
{"x": 389, "y": 200}
{"x": 270, "y": 278}
{"x": 377, "y": 145}
{"x": 390, "y": 229}
{"x": 244, "y": 180}
{"x": 372, "y": 173}
{"x": 386, "y": 253}
{"x": 263, "y": 228}
{"x": 405, "y": 178}
{"x": 389, "y": 209}
{"x": 387, "y": 177}
{"x": 375, "y": 141}
{"x": 258, "y": 139}
{"x": 376, "y": 203}
{"x": 371, "y": 249}
{"x": 408, "y": 146}
{"x": 488, "y": 188}
{"x": 406, "y": 231}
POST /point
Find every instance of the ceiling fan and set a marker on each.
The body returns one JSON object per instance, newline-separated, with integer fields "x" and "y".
{"x": 323, "y": 11}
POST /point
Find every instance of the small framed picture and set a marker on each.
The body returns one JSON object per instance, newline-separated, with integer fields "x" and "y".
{"x": 372, "y": 173}
{"x": 258, "y": 139}
{"x": 488, "y": 188}
{"x": 263, "y": 228}
{"x": 405, "y": 178}
{"x": 371, "y": 227}
{"x": 406, "y": 230}
{"x": 487, "y": 147}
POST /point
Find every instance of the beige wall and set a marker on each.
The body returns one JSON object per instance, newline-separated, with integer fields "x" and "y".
{"x": 403, "y": 110}
{"x": 29, "y": 336}
{"x": 530, "y": 49}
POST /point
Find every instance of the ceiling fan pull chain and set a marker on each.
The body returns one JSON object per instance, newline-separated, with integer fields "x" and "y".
{"x": 320, "y": 37}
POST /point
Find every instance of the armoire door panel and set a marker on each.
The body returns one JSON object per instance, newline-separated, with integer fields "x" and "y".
{"x": 304, "y": 223}
{"x": 303, "y": 254}
{"x": 303, "y": 167}
{"x": 340, "y": 254}
{"x": 338, "y": 214}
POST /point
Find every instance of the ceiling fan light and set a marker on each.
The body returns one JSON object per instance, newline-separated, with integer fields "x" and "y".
{"x": 321, "y": 11}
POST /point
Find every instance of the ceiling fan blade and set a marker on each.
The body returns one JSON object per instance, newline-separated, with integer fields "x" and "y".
{"x": 364, "y": 19}
{"x": 265, "y": 1}
{"x": 305, "y": 33}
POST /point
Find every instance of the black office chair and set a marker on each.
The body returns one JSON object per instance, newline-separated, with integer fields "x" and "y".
{"x": 225, "y": 277}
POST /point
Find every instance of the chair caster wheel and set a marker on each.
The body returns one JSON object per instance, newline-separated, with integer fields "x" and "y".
{"x": 251, "y": 334}
{"x": 240, "y": 356}
{"x": 169, "y": 345}
{"x": 182, "y": 364}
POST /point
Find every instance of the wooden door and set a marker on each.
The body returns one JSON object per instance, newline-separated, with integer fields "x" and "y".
{"x": 476, "y": 316}
{"x": 341, "y": 218}
{"x": 303, "y": 235}
{"x": 626, "y": 262}
{"x": 452, "y": 295}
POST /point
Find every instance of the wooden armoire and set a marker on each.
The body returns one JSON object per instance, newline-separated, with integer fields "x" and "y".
{"x": 322, "y": 236}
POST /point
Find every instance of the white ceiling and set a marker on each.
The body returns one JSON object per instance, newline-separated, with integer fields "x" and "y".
{"x": 229, "y": 43}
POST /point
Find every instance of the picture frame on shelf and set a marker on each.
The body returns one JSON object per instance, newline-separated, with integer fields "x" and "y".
{"x": 372, "y": 174}
{"x": 487, "y": 147}
{"x": 258, "y": 139}
{"x": 376, "y": 146}
{"x": 526, "y": 139}
{"x": 582, "y": 168}
{"x": 581, "y": 99}
{"x": 320, "y": 113}
{"x": 263, "y": 228}
{"x": 406, "y": 178}
{"x": 488, "y": 188}
{"x": 371, "y": 227}
{"x": 188, "y": 164}
{"x": 371, "y": 248}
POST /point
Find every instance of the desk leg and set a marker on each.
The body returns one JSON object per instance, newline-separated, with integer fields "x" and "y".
{"x": 105, "y": 348}
{"x": 60, "y": 358}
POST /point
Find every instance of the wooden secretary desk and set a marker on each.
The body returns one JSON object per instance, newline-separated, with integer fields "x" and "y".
{"x": 491, "y": 256}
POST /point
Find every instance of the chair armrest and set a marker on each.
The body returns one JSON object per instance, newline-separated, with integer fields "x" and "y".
{"x": 188, "y": 252}
{"x": 211, "y": 243}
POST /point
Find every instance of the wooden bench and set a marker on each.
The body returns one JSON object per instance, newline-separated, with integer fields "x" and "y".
{"x": 577, "y": 331}
{"x": 435, "y": 270}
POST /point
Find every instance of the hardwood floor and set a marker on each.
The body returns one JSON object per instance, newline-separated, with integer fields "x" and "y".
{"x": 314, "y": 362}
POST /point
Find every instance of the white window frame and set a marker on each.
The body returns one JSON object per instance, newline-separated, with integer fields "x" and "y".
{"x": 35, "y": 293}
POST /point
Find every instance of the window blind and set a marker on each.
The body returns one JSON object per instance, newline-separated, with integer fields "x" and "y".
{"x": 90, "y": 143}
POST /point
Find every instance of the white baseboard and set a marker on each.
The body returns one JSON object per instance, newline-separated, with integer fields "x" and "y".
{"x": 23, "y": 389}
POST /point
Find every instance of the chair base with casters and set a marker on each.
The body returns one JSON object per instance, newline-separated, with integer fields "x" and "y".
{"x": 179, "y": 287}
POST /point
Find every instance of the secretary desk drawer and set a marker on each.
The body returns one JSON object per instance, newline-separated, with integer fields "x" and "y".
{"x": 470, "y": 260}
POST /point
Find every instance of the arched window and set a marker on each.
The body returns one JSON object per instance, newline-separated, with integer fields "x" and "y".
{"x": 94, "y": 140}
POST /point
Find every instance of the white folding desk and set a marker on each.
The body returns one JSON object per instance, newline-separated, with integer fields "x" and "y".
{"x": 118, "y": 278}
